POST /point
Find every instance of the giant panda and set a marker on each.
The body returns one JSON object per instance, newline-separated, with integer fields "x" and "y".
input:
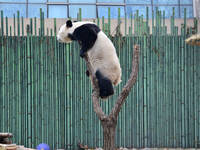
{"x": 101, "y": 52}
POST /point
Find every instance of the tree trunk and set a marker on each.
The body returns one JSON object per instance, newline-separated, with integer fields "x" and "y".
{"x": 109, "y": 134}
{"x": 109, "y": 122}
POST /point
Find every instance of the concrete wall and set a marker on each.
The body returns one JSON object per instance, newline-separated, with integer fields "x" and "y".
{"x": 49, "y": 23}
{"x": 196, "y": 5}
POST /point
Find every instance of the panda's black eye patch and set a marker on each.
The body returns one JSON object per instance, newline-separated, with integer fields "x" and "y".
{"x": 71, "y": 37}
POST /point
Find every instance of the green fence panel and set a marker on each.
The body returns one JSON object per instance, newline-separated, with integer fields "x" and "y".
{"x": 45, "y": 95}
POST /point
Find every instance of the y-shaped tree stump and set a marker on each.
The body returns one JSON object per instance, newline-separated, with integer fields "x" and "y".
{"x": 109, "y": 122}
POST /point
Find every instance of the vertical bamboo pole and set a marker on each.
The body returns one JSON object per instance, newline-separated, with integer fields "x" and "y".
{"x": 2, "y": 24}
{"x": 182, "y": 93}
{"x": 31, "y": 87}
{"x": 35, "y": 26}
{"x": 41, "y": 79}
{"x": 196, "y": 102}
{"x": 80, "y": 14}
{"x": 6, "y": 26}
{"x": 81, "y": 97}
{"x": 156, "y": 79}
{"x": 147, "y": 20}
{"x": 141, "y": 26}
{"x": 18, "y": 24}
{"x": 29, "y": 127}
{"x": 125, "y": 27}
{"x": 153, "y": 23}
{"x": 56, "y": 85}
{"x": 119, "y": 20}
{"x": 135, "y": 24}
{"x": 103, "y": 24}
{"x": 18, "y": 78}
{"x": 157, "y": 21}
{"x": 160, "y": 23}
{"x": 119, "y": 55}
{"x": 11, "y": 77}
{"x": 2, "y": 73}
{"x": 164, "y": 25}
{"x": 145, "y": 88}
{"x": 14, "y": 25}
{"x": 184, "y": 144}
{"x": 98, "y": 22}
{"x": 172, "y": 22}
{"x": 52, "y": 107}
{"x": 146, "y": 35}
{"x": 109, "y": 21}
{"x": 22, "y": 22}
{"x": 48, "y": 85}
{"x": 195, "y": 90}
{"x": 195, "y": 21}
{"x": 150, "y": 137}
{"x": 31, "y": 26}
{"x": 7, "y": 99}
{"x": 131, "y": 28}
{"x": 185, "y": 23}
{"x": 159, "y": 67}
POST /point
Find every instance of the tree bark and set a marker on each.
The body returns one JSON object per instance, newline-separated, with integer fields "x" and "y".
{"x": 109, "y": 127}
{"x": 109, "y": 122}
{"x": 108, "y": 137}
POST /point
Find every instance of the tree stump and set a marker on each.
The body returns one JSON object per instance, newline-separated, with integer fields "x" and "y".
{"x": 5, "y": 138}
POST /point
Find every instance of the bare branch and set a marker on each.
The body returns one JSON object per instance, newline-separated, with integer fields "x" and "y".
{"x": 95, "y": 94}
{"x": 125, "y": 91}
{"x": 132, "y": 80}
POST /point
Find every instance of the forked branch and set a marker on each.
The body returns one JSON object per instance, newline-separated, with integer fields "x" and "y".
{"x": 129, "y": 84}
{"x": 124, "y": 93}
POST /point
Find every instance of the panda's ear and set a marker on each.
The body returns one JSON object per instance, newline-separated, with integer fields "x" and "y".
{"x": 69, "y": 23}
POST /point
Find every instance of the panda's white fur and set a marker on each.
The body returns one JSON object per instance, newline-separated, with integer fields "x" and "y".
{"x": 102, "y": 55}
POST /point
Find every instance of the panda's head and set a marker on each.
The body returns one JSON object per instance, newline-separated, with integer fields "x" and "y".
{"x": 64, "y": 31}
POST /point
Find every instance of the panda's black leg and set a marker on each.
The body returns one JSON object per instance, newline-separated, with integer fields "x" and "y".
{"x": 83, "y": 50}
{"x": 82, "y": 53}
{"x": 87, "y": 73}
{"x": 105, "y": 85}
{"x": 85, "y": 46}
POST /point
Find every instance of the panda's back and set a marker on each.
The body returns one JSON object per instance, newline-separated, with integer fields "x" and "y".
{"x": 103, "y": 57}
{"x": 77, "y": 25}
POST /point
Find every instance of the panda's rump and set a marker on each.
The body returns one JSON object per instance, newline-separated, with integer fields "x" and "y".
{"x": 108, "y": 67}
{"x": 113, "y": 73}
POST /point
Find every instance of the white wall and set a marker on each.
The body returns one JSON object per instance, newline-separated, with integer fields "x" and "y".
{"x": 196, "y": 5}
{"x": 49, "y": 23}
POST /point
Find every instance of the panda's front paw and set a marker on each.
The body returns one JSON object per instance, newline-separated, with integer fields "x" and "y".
{"x": 71, "y": 37}
{"x": 87, "y": 73}
{"x": 82, "y": 54}
{"x": 93, "y": 90}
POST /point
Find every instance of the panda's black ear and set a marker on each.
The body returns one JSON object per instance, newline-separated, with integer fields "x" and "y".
{"x": 69, "y": 23}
